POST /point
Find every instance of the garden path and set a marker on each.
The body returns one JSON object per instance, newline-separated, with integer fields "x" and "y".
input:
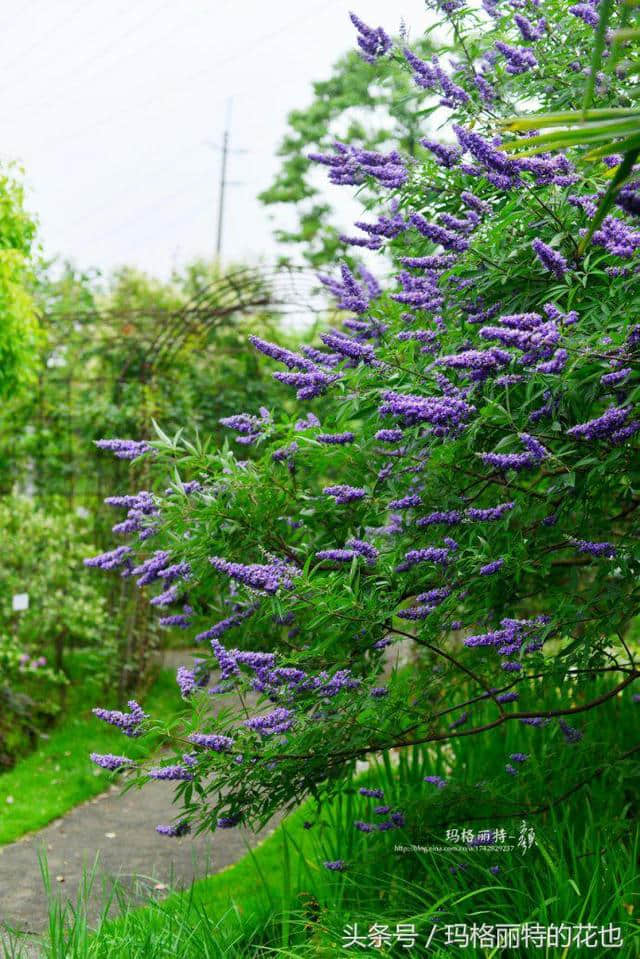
{"x": 117, "y": 831}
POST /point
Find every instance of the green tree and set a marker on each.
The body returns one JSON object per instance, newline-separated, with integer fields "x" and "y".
{"x": 18, "y": 327}
{"x": 361, "y": 103}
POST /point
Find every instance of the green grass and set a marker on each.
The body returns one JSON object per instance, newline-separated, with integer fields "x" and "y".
{"x": 59, "y": 774}
{"x": 279, "y": 900}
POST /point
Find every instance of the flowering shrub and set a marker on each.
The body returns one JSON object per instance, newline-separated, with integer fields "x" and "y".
{"x": 462, "y": 474}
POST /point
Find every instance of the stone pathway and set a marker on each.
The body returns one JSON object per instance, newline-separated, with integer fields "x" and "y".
{"x": 116, "y": 830}
{"x": 119, "y": 829}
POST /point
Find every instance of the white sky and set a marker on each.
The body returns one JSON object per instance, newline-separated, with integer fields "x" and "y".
{"x": 109, "y": 107}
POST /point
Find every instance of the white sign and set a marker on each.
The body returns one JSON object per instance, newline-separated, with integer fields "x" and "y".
{"x": 20, "y": 601}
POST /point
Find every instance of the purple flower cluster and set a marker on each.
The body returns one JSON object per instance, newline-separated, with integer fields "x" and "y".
{"x": 335, "y": 439}
{"x": 489, "y": 515}
{"x": 191, "y": 679}
{"x": 384, "y": 226}
{"x": 305, "y": 375}
{"x": 129, "y": 723}
{"x": 249, "y": 427}
{"x": 125, "y": 449}
{"x": 480, "y": 363}
{"x": 181, "y": 828}
{"x": 336, "y": 555}
{"x": 371, "y": 793}
{"x": 373, "y": 43}
{"x": 530, "y": 31}
{"x": 607, "y": 550}
{"x": 138, "y": 507}
{"x": 213, "y": 741}
{"x": 149, "y": 570}
{"x": 446, "y": 155}
{"x": 173, "y": 773}
{"x": 570, "y": 733}
{"x": 431, "y": 76}
{"x": 361, "y": 547}
{"x": 351, "y": 166}
{"x": 440, "y": 517}
{"x": 111, "y": 762}
{"x": 448, "y": 239}
{"x": 427, "y": 603}
{"x": 501, "y": 171}
{"x": 535, "y": 454}
{"x": 419, "y": 292}
{"x": 527, "y": 332}
{"x": 389, "y": 436}
{"x": 602, "y": 427}
{"x": 280, "y": 720}
{"x": 286, "y": 454}
{"x": 349, "y": 347}
{"x": 111, "y": 560}
{"x": 514, "y": 637}
{"x": 586, "y": 12}
{"x": 550, "y": 259}
{"x": 436, "y": 781}
{"x": 447, "y": 412}
{"x": 345, "y": 494}
{"x": 427, "y": 554}
{"x": 617, "y": 377}
{"x": 519, "y": 59}
{"x": 616, "y": 238}
{"x": 267, "y": 578}
{"x": 226, "y": 624}
{"x": 406, "y": 502}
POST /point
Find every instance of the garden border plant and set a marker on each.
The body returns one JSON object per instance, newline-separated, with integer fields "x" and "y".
{"x": 464, "y": 475}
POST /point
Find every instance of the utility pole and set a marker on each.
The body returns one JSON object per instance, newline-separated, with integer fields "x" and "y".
{"x": 225, "y": 150}
{"x": 223, "y": 184}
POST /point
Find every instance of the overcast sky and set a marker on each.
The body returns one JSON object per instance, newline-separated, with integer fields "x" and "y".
{"x": 114, "y": 109}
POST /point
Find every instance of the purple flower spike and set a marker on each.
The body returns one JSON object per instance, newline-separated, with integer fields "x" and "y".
{"x": 373, "y": 42}
{"x": 336, "y": 865}
{"x": 519, "y": 59}
{"x": 110, "y": 762}
{"x": 175, "y": 773}
{"x": 345, "y": 494}
{"x": 180, "y": 829}
{"x": 125, "y": 449}
{"x": 550, "y": 259}
{"x": 129, "y": 722}
{"x": 371, "y": 793}
{"x": 436, "y": 781}
{"x": 607, "y": 550}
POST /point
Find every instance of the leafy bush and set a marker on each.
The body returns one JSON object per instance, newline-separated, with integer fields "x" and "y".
{"x": 66, "y": 632}
{"x": 113, "y": 356}
{"x": 18, "y": 328}
{"x": 462, "y": 475}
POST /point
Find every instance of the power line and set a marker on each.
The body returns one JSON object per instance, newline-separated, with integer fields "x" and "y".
{"x": 56, "y": 29}
{"x": 96, "y": 56}
{"x": 188, "y": 79}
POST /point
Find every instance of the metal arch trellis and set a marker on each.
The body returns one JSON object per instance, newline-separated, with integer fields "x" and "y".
{"x": 281, "y": 291}
{"x": 278, "y": 289}
{"x": 58, "y": 406}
